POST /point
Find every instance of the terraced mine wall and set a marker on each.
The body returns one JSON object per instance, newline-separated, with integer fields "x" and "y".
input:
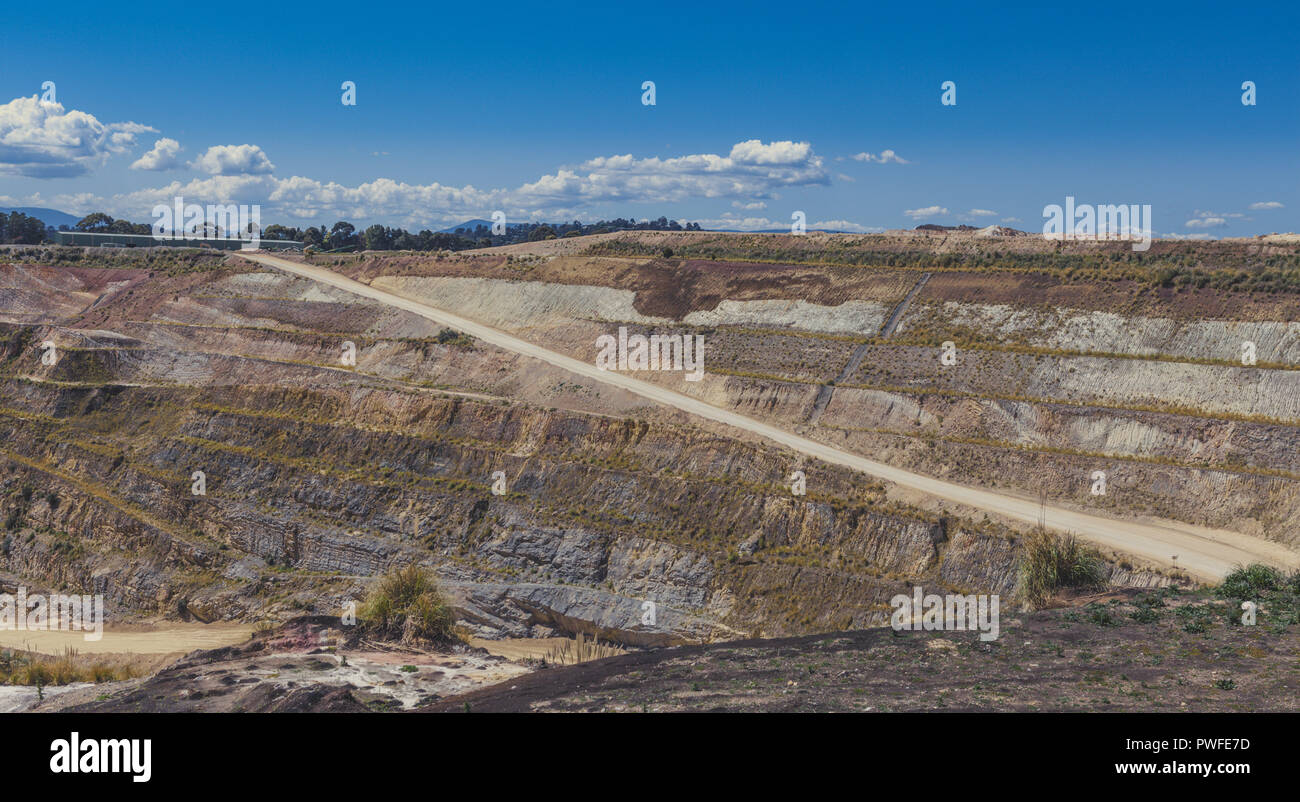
{"x": 310, "y": 493}
{"x": 609, "y": 503}
{"x": 1041, "y": 397}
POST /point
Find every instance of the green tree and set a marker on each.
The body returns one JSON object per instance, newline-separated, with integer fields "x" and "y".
{"x": 342, "y": 235}
{"x": 376, "y": 238}
{"x": 19, "y": 229}
{"x": 96, "y": 221}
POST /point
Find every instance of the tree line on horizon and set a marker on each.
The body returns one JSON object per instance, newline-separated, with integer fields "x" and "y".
{"x": 17, "y": 228}
{"x": 344, "y": 236}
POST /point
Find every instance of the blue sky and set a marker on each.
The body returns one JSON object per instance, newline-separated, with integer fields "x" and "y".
{"x": 507, "y": 106}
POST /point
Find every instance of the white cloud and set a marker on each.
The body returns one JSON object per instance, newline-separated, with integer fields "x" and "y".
{"x": 234, "y": 160}
{"x": 161, "y": 157}
{"x": 1265, "y": 205}
{"x": 755, "y": 206}
{"x": 1012, "y": 220}
{"x": 39, "y": 139}
{"x": 1212, "y": 219}
{"x": 730, "y": 221}
{"x": 928, "y": 211}
{"x": 751, "y": 172}
{"x": 845, "y": 225}
{"x": 982, "y": 213}
{"x": 885, "y": 157}
{"x": 753, "y": 151}
{"x": 1208, "y": 220}
{"x": 752, "y": 169}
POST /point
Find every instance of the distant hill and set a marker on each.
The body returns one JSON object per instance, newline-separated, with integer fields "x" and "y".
{"x": 50, "y": 217}
{"x": 472, "y": 224}
{"x": 469, "y": 224}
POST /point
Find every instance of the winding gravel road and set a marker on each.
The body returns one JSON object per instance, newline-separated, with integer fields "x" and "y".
{"x": 1207, "y": 554}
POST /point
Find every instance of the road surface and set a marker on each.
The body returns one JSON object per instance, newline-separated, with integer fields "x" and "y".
{"x": 1207, "y": 554}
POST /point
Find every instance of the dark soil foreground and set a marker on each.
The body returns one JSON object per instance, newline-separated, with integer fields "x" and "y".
{"x": 1096, "y": 657}
{"x": 1130, "y": 651}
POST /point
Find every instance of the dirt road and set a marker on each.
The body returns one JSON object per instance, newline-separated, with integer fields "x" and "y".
{"x": 1204, "y": 553}
{"x": 169, "y": 638}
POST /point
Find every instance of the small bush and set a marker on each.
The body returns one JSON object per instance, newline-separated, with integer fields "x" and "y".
{"x": 1251, "y": 582}
{"x": 1101, "y": 616}
{"x": 407, "y": 605}
{"x": 1150, "y": 600}
{"x": 1145, "y": 615}
{"x": 1050, "y": 562}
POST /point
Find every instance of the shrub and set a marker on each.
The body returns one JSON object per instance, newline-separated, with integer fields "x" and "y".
{"x": 1049, "y": 562}
{"x": 1145, "y": 615}
{"x": 1251, "y": 582}
{"x": 1101, "y": 616}
{"x": 1277, "y": 593}
{"x": 407, "y": 604}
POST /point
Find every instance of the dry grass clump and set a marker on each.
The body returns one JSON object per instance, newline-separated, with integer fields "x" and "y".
{"x": 407, "y": 605}
{"x": 581, "y": 650}
{"x": 32, "y": 668}
{"x": 1050, "y": 562}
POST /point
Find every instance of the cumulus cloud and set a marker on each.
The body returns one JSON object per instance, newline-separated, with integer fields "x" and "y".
{"x": 163, "y": 156}
{"x": 885, "y": 157}
{"x": 752, "y": 171}
{"x": 732, "y": 222}
{"x": 1209, "y": 219}
{"x": 40, "y": 139}
{"x": 234, "y": 160}
{"x": 753, "y": 151}
{"x": 1265, "y": 205}
{"x": 845, "y": 225}
{"x": 975, "y": 214}
{"x": 928, "y": 211}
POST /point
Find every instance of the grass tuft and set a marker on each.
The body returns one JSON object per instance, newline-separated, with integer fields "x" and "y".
{"x": 407, "y": 605}
{"x": 1051, "y": 562}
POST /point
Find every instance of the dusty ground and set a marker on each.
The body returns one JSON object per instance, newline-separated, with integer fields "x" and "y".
{"x": 308, "y": 665}
{"x": 168, "y": 638}
{"x": 1091, "y": 658}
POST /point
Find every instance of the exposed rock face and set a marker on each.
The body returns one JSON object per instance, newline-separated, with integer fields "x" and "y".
{"x": 1110, "y": 332}
{"x": 308, "y": 493}
{"x": 1042, "y": 396}
{"x": 618, "y": 519}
